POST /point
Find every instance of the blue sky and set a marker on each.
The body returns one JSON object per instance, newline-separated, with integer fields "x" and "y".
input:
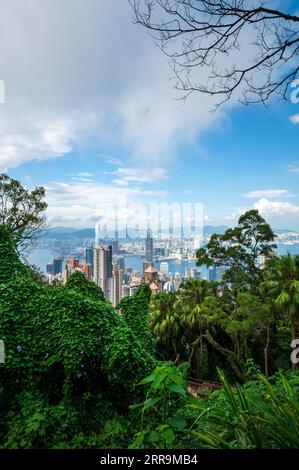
{"x": 93, "y": 118}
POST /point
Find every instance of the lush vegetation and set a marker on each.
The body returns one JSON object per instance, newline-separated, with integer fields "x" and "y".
{"x": 22, "y": 211}
{"x": 81, "y": 374}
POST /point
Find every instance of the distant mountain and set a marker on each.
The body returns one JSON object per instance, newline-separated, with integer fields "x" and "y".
{"x": 65, "y": 233}
{"x": 278, "y": 231}
{"x": 62, "y": 230}
{"x": 209, "y": 229}
{"x": 85, "y": 233}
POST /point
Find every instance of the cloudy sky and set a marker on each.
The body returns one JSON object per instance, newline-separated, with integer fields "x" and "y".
{"x": 91, "y": 114}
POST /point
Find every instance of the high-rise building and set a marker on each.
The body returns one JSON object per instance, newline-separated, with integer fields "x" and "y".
{"x": 116, "y": 285}
{"x": 115, "y": 247}
{"x": 89, "y": 257}
{"x": 177, "y": 281}
{"x": 169, "y": 286}
{"x": 212, "y": 274}
{"x": 50, "y": 268}
{"x": 187, "y": 273}
{"x": 195, "y": 273}
{"x": 149, "y": 247}
{"x": 87, "y": 270}
{"x": 103, "y": 268}
{"x": 72, "y": 263}
{"x": 120, "y": 261}
{"x": 57, "y": 265}
{"x": 164, "y": 267}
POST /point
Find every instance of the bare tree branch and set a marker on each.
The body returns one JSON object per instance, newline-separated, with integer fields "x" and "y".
{"x": 218, "y": 36}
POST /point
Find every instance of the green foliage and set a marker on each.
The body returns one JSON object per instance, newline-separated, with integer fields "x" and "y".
{"x": 257, "y": 415}
{"x": 67, "y": 350}
{"x": 73, "y": 362}
{"x": 135, "y": 311}
{"x": 79, "y": 283}
{"x": 239, "y": 248}
{"x": 21, "y": 210}
{"x": 282, "y": 282}
{"x": 159, "y": 412}
{"x": 164, "y": 320}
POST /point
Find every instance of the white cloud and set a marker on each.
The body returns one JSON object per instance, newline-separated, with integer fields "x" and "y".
{"x": 112, "y": 160}
{"x": 294, "y": 119}
{"x": 139, "y": 175}
{"x": 84, "y": 174}
{"x": 88, "y": 75}
{"x": 267, "y": 193}
{"x": 83, "y": 204}
{"x": 275, "y": 208}
{"x": 293, "y": 169}
{"x": 34, "y": 140}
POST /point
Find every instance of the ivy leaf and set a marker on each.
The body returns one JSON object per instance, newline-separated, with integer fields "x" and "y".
{"x": 176, "y": 388}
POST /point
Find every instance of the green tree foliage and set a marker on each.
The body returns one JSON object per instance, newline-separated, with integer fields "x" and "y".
{"x": 22, "y": 211}
{"x": 283, "y": 283}
{"x": 239, "y": 248}
{"x": 165, "y": 321}
{"x": 194, "y": 318}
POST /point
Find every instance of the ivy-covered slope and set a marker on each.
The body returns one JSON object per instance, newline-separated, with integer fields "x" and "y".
{"x": 135, "y": 311}
{"x": 63, "y": 342}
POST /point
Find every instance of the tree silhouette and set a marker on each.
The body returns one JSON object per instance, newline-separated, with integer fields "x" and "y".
{"x": 244, "y": 45}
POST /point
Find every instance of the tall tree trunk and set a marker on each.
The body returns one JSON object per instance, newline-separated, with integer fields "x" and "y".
{"x": 174, "y": 347}
{"x": 201, "y": 354}
{"x": 294, "y": 336}
{"x": 266, "y": 349}
{"x": 230, "y": 356}
{"x": 195, "y": 357}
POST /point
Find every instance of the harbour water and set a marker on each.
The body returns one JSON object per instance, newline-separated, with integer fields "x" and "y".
{"x": 41, "y": 257}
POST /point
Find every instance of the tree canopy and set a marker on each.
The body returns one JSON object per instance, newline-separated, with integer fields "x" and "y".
{"x": 240, "y": 248}
{"x": 22, "y": 211}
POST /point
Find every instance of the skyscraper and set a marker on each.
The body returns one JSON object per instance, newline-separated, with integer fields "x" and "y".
{"x": 149, "y": 247}
{"x": 212, "y": 274}
{"x": 89, "y": 257}
{"x": 57, "y": 265}
{"x": 103, "y": 268}
{"x": 164, "y": 267}
{"x": 116, "y": 285}
{"x": 120, "y": 261}
{"x": 50, "y": 268}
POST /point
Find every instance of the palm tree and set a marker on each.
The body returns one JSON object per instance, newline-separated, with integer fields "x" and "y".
{"x": 189, "y": 308}
{"x": 163, "y": 319}
{"x": 284, "y": 282}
